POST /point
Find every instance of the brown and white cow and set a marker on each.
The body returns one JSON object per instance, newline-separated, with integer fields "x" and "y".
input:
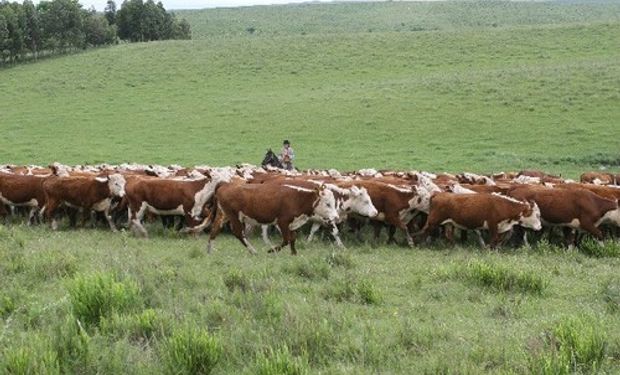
{"x": 22, "y": 191}
{"x": 287, "y": 206}
{"x": 86, "y": 193}
{"x": 165, "y": 197}
{"x": 571, "y": 208}
{"x": 498, "y": 214}
{"x": 349, "y": 200}
{"x": 598, "y": 178}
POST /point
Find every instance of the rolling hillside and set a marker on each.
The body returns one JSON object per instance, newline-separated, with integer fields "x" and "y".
{"x": 538, "y": 92}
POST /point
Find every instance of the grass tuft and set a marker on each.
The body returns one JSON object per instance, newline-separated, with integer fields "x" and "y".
{"x": 574, "y": 345}
{"x": 98, "y": 295}
{"x": 236, "y": 280}
{"x": 190, "y": 350}
{"x": 281, "y": 362}
{"x": 591, "y": 248}
{"x": 340, "y": 259}
{"x": 500, "y": 278}
{"x": 311, "y": 269}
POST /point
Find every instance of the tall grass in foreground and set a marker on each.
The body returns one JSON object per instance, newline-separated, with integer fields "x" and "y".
{"x": 190, "y": 350}
{"x": 99, "y": 295}
{"x": 500, "y": 278}
{"x": 574, "y": 345}
{"x": 281, "y": 362}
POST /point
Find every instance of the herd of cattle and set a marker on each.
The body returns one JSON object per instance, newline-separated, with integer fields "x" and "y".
{"x": 499, "y": 208}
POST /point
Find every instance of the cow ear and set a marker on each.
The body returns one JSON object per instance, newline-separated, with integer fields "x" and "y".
{"x": 102, "y": 179}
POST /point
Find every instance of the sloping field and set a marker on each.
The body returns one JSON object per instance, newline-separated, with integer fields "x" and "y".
{"x": 476, "y": 98}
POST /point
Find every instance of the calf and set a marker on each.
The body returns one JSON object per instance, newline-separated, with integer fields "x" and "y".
{"x": 479, "y": 211}
{"x": 287, "y": 206}
{"x": 86, "y": 193}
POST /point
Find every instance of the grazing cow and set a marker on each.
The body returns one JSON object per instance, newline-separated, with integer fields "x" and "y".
{"x": 22, "y": 191}
{"x": 287, "y": 206}
{"x": 598, "y": 178}
{"x": 165, "y": 197}
{"x": 87, "y": 193}
{"x": 494, "y": 212}
{"x": 571, "y": 208}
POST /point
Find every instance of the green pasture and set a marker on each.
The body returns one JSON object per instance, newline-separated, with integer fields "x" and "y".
{"x": 537, "y": 93}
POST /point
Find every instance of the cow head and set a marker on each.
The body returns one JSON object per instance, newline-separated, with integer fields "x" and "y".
{"x": 116, "y": 184}
{"x": 325, "y": 206}
{"x": 530, "y": 218}
{"x": 421, "y": 201}
{"x": 360, "y": 203}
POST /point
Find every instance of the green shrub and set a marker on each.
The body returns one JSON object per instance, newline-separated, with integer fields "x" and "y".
{"x": 99, "y": 295}
{"x": 190, "y": 350}
{"x": 234, "y": 279}
{"x": 500, "y": 278}
{"x": 574, "y": 345}
{"x": 281, "y": 362}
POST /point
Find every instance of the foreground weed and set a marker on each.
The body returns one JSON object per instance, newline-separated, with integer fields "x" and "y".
{"x": 34, "y": 357}
{"x": 190, "y": 350}
{"x": 235, "y": 279}
{"x": 311, "y": 269}
{"x": 98, "y": 295}
{"x": 574, "y": 345}
{"x": 281, "y": 362}
{"x": 500, "y": 278}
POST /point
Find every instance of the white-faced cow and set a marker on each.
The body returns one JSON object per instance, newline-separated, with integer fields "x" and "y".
{"x": 86, "y": 193}
{"x": 287, "y": 206}
{"x": 497, "y": 214}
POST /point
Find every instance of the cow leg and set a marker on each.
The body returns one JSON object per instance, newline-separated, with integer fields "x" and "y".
{"x": 493, "y": 235}
{"x": 480, "y": 238}
{"x": 569, "y": 237}
{"x": 449, "y": 233}
{"x": 589, "y": 227}
{"x": 315, "y": 227}
{"x": 376, "y": 226}
{"x": 50, "y": 211}
{"x": 391, "y": 233}
{"x": 216, "y": 228}
{"x": 265, "y": 234}
{"x": 238, "y": 230}
{"x": 135, "y": 217}
{"x": 288, "y": 236}
{"x": 108, "y": 217}
{"x": 336, "y": 236}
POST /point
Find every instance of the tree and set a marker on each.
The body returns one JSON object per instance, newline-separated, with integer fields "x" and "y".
{"x": 98, "y": 31}
{"x": 5, "y": 41}
{"x": 32, "y": 32}
{"x": 14, "y": 44}
{"x": 110, "y": 12}
{"x": 62, "y": 24}
{"x": 129, "y": 21}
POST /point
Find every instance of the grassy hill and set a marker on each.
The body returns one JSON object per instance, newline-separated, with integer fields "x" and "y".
{"x": 541, "y": 91}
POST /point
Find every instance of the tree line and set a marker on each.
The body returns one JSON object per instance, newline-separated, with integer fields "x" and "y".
{"x": 28, "y": 31}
